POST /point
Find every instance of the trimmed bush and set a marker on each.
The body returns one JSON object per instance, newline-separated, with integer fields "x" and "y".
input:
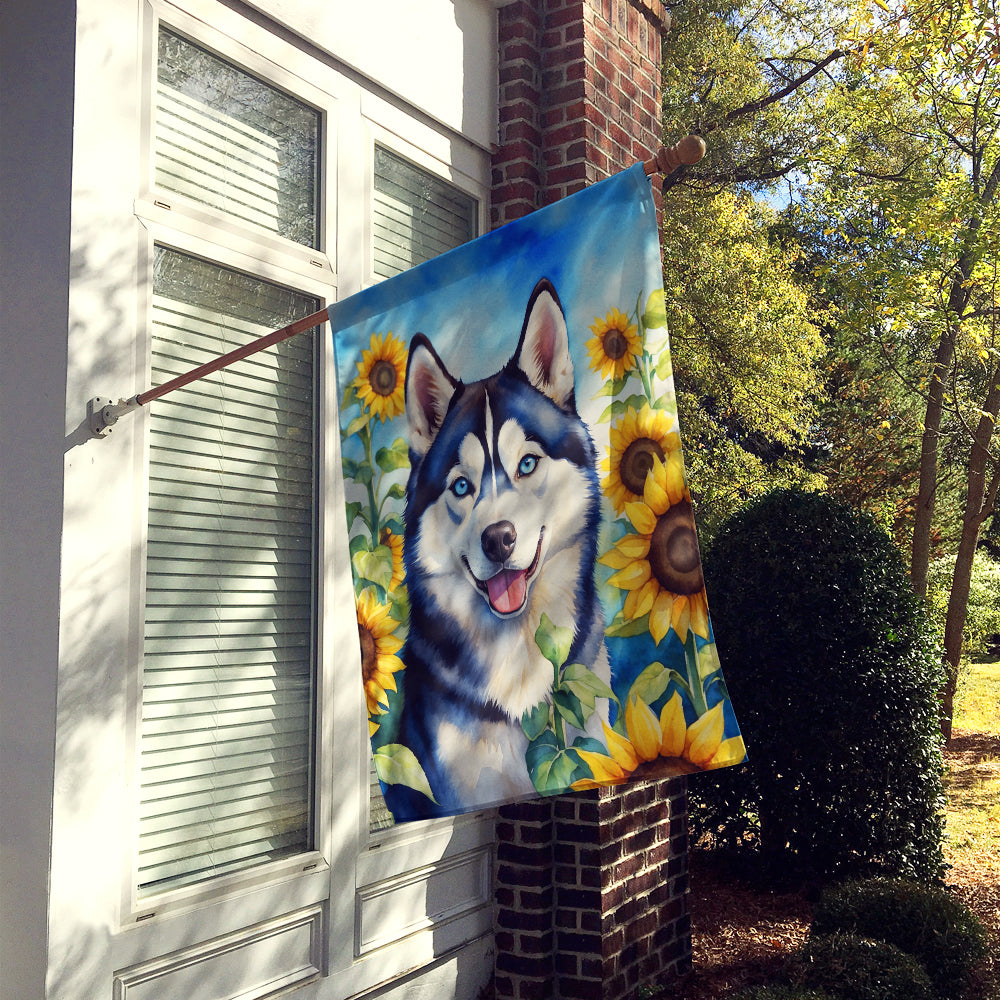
{"x": 833, "y": 672}
{"x": 856, "y": 968}
{"x": 925, "y": 922}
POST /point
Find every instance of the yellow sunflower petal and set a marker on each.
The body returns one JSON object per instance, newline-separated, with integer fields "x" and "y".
{"x": 372, "y": 728}
{"x": 644, "y": 598}
{"x": 674, "y": 477}
{"x": 621, "y": 749}
{"x": 699, "y": 613}
{"x": 659, "y": 615}
{"x": 704, "y": 736}
{"x": 605, "y": 769}
{"x": 615, "y": 559}
{"x": 641, "y": 517}
{"x": 731, "y": 751}
{"x": 633, "y": 546}
{"x": 643, "y": 729}
{"x": 633, "y": 576}
{"x": 673, "y": 727}
{"x": 680, "y": 616}
{"x": 654, "y": 493}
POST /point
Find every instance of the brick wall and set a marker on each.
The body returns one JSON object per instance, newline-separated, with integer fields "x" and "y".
{"x": 579, "y": 96}
{"x": 591, "y": 889}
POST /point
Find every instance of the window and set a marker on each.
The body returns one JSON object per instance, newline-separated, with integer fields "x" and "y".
{"x": 225, "y": 139}
{"x": 415, "y": 216}
{"x": 229, "y": 646}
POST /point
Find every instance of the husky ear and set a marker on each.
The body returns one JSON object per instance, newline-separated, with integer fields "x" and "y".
{"x": 543, "y": 353}
{"x": 429, "y": 389}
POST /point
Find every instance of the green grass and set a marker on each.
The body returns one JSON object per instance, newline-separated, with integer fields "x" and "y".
{"x": 977, "y": 702}
{"x": 974, "y": 774}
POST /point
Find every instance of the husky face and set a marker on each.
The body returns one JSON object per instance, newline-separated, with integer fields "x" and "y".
{"x": 502, "y": 478}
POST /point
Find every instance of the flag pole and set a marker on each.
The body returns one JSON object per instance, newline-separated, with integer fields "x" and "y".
{"x": 103, "y": 413}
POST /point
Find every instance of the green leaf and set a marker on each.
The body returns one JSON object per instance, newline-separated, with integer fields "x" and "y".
{"x": 350, "y": 467}
{"x": 636, "y": 401}
{"x": 396, "y": 764}
{"x": 396, "y": 456}
{"x": 651, "y": 682}
{"x": 363, "y": 475}
{"x": 356, "y": 424}
{"x": 553, "y": 641}
{"x": 625, "y": 628}
{"x": 655, "y": 313}
{"x": 358, "y": 543}
{"x": 551, "y": 769}
{"x": 611, "y": 387}
{"x": 535, "y": 720}
{"x": 375, "y": 565}
{"x": 353, "y": 511}
{"x": 396, "y": 492}
{"x": 663, "y": 367}
{"x": 568, "y": 706}
{"x": 586, "y": 686}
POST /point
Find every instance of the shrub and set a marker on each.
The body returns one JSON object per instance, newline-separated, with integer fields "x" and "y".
{"x": 925, "y": 922}
{"x": 856, "y": 968}
{"x": 833, "y": 672}
{"x": 782, "y": 993}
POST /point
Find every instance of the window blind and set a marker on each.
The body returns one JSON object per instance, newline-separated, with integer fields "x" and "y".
{"x": 228, "y": 140}
{"x": 228, "y": 653}
{"x": 415, "y": 216}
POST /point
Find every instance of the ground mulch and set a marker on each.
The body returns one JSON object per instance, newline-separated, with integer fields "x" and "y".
{"x": 743, "y": 934}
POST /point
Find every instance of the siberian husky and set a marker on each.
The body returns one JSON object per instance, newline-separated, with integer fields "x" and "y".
{"x": 501, "y": 523}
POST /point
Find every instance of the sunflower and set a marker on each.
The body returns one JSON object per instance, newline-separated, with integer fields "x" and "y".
{"x": 660, "y": 566}
{"x": 698, "y": 747}
{"x": 637, "y": 440}
{"x": 394, "y": 543}
{"x": 614, "y": 346}
{"x": 379, "y": 662}
{"x": 381, "y": 376}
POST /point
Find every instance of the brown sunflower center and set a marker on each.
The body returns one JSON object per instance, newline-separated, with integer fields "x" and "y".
{"x": 636, "y": 463}
{"x": 615, "y": 344}
{"x": 382, "y": 377}
{"x": 369, "y": 652}
{"x": 673, "y": 551}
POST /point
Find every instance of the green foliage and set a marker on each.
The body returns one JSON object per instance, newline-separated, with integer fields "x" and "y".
{"x": 782, "y": 992}
{"x": 926, "y": 922}
{"x": 983, "y": 611}
{"x": 833, "y": 673}
{"x": 747, "y": 355}
{"x": 856, "y": 968}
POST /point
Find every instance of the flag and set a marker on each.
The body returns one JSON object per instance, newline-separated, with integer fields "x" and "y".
{"x": 531, "y": 608}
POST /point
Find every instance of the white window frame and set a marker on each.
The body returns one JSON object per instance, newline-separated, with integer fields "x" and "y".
{"x": 352, "y": 872}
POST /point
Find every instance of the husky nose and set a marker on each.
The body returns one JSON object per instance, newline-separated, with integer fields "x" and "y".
{"x": 498, "y": 541}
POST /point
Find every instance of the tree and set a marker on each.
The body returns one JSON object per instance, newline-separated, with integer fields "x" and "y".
{"x": 748, "y": 356}
{"x": 913, "y": 183}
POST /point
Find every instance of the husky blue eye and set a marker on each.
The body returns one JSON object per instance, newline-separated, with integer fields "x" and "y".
{"x": 461, "y": 487}
{"x": 527, "y": 465}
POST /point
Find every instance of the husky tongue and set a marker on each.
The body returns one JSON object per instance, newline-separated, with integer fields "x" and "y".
{"x": 507, "y": 590}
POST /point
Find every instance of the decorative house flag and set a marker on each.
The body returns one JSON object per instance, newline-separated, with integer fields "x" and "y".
{"x": 530, "y": 600}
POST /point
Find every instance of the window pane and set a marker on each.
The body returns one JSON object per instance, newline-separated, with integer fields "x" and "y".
{"x": 226, "y": 139}
{"x": 416, "y": 215}
{"x": 228, "y": 678}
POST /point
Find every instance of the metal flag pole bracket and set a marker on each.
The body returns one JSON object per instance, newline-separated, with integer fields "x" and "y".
{"x": 103, "y": 413}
